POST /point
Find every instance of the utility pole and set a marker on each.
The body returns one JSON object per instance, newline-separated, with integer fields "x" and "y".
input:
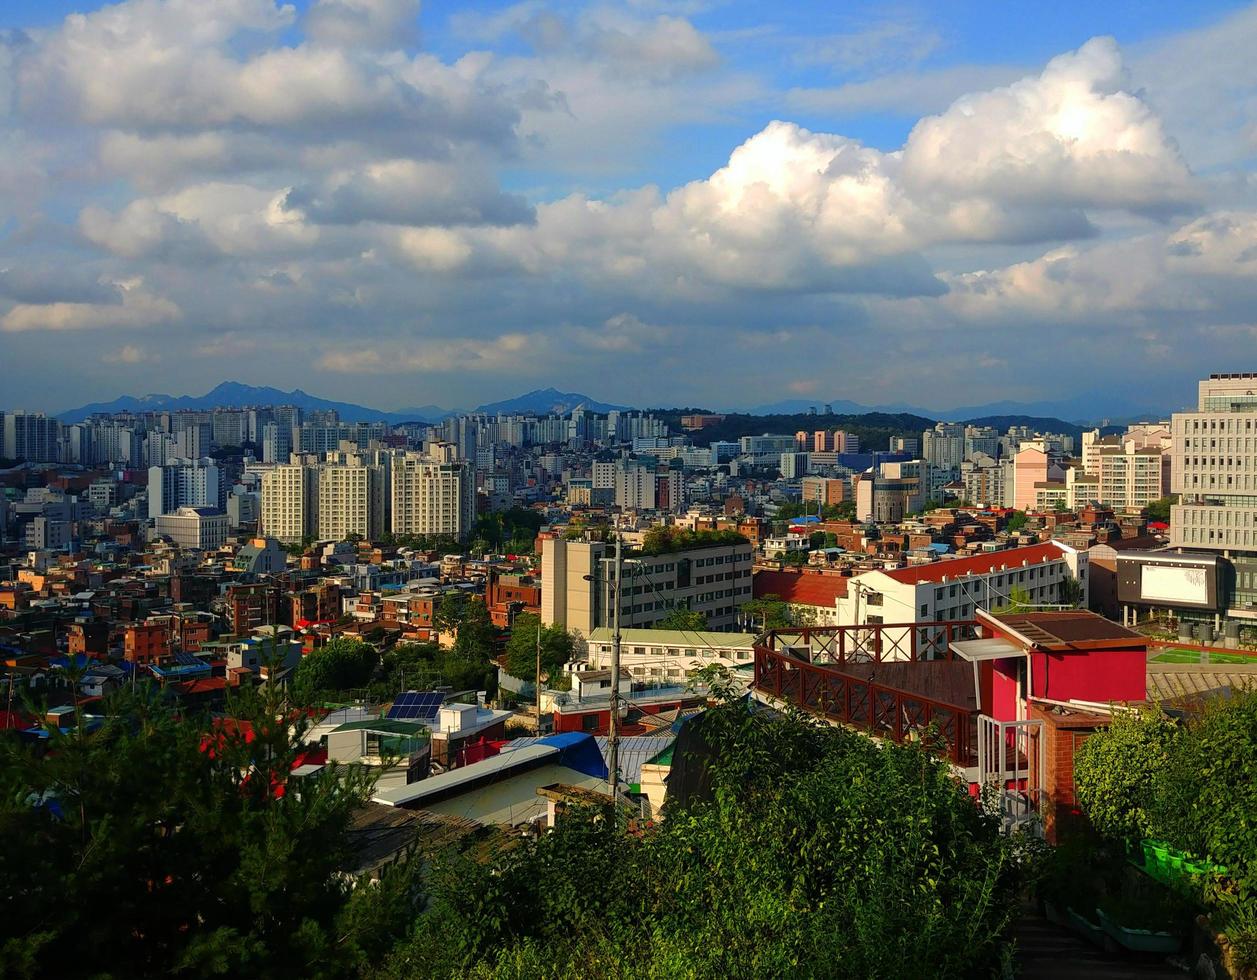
{"x": 537, "y": 680}
{"x": 613, "y": 731}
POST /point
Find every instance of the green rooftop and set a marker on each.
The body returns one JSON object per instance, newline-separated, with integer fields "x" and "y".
{"x": 385, "y": 725}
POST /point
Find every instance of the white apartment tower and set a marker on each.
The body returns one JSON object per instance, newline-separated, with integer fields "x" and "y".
{"x": 289, "y": 502}
{"x": 431, "y": 497}
{"x": 350, "y": 501}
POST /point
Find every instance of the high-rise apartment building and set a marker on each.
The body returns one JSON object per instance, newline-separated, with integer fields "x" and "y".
{"x": 32, "y": 437}
{"x": 1214, "y": 469}
{"x": 289, "y": 510}
{"x": 184, "y": 483}
{"x": 432, "y": 497}
{"x": 350, "y": 501}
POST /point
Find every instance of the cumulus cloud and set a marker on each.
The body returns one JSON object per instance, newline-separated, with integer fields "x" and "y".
{"x": 363, "y": 23}
{"x": 1073, "y": 135}
{"x": 310, "y": 191}
{"x": 411, "y": 192}
{"x": 136, "y": 308}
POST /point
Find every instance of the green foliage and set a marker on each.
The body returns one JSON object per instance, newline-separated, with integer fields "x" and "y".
{"x": 667, "y": 538}
{"x": 1114, "y": 771}
{"x": 1018, "y": 601}
{"x": 1159, "y": 510}
{"x": 1017, "y": 520}
{"x": 1070, "y": 591}
{"x": 1211, "y": 789}
{"x": 557, "y": 646}
{"x": 768, "y": 612}
{"x": 794, "y": 558}
{"x": 816, "y": 854}
{"x": 162, "y": 844}
{"x": 420, "y": 666}
{"x": 475, "y": 635}
{"x": 342, "y": 665}
{"x": 513, "y": 530}
{"x": 681, "y": 618}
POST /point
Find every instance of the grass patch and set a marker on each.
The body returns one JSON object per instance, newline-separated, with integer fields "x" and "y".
{"x": 1180, "y": 656}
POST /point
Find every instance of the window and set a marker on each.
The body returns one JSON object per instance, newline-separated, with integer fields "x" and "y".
{"x": 589, "y": 723}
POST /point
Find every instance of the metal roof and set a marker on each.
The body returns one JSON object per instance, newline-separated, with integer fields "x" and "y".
{"x": 674, "y": 638}
{"x": 493, "y": 767}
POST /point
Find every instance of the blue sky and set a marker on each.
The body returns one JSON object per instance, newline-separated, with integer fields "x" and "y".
{"x": 403, "y": 207}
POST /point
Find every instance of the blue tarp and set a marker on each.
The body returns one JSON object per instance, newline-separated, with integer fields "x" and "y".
{"x": 579, "y": 751}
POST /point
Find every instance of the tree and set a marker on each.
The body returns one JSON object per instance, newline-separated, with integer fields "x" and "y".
{"x": 476, "y": 637}
{"x": 769, "y": 612}
{"x": 681, "y": 618}
{"x": 165, "y": 843}
{"x": 810, "y": 852}
{"x": 1018, "y": 601}
{"x": 557, "y": 647}
{"x": 793, "y": 557}
{"x": 1114, "y": 771}
{"x": 339, "y": 666}
{"x": 1016, "y": 521}
{"x": 1071, "y": 591}
{"x": 1159, "y": 510}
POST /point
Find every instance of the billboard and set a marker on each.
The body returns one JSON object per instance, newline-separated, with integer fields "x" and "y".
{"x": 1163, "y": 583}
{"x": 1168, "y": 580}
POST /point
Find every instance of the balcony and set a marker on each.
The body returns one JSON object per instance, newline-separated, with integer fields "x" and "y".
{"x": 892, "y": 681}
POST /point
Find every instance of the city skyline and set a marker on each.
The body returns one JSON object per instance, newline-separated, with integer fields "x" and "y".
{"x": 348, "y": 198}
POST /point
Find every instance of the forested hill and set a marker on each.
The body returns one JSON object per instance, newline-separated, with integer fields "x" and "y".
{"x": 874, "y": 429}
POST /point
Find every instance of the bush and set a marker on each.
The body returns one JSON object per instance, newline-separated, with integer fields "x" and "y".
{"x": 812, "y": 853}
{"x": 1219, "y": 755}
{"x": 1115, "y": 769}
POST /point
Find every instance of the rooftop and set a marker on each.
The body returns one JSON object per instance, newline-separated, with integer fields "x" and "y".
{"x": 800, "y": 588}
{"x": 675, "y": 638}
{"x": 992, "y": 561}
{"x": 1065, "y": 630}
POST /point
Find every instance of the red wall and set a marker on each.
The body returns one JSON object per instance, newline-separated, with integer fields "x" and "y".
{"x": 1004, "y": 689}
{"x": 1093, "y": 675}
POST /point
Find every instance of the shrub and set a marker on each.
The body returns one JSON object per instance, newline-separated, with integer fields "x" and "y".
{"x": 1114, "y": 771}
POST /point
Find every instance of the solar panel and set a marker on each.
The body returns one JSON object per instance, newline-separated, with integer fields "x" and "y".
{"x": 416, "y": 705}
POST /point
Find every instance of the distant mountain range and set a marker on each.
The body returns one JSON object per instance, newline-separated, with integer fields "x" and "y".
{"x": 232, "y": 394}
{"x": 545, "y": 401}
{"x": 1080, "y": 410}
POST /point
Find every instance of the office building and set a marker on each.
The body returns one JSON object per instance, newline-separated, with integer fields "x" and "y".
{"x": 890, "y": 491}
{"x": 577, "y": 584}
{"x": 1214, "y": 469}
{"x": 794, "y": 466}
{"x": 197, "y": 528}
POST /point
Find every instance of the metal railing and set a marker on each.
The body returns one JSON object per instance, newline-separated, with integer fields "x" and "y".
{"x": 1012, "y": 761}
{"x": 872, "y": 643}
{"x": 878, "y": 709}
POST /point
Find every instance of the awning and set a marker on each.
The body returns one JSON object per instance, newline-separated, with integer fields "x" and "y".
{"x": 978, "y": 650}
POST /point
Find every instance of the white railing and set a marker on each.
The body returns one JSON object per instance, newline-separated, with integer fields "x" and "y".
{"x": 1012, "y": 756}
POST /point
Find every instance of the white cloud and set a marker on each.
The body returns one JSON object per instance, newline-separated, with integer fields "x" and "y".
{"x": 136, "y": 309}
{"x": 130, "y": 354}
{"x": 1071, "y": 136}
{"x": 363, "y": 23}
